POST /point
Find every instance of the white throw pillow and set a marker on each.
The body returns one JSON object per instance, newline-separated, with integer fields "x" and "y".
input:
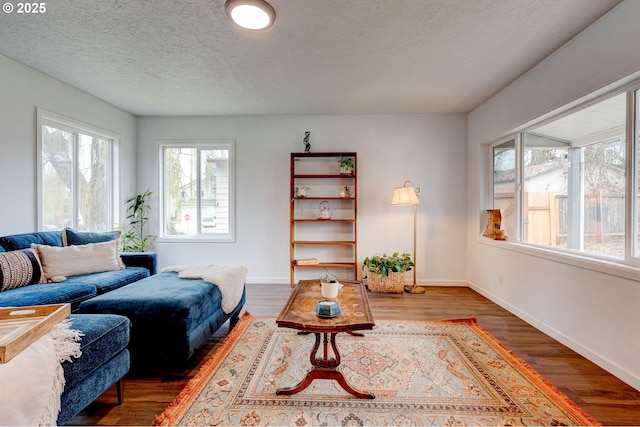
{"x": 79, "y": 259}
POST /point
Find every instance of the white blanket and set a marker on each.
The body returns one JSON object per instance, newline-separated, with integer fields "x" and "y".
{"x": 228, "y": 278}
{"x": 31, "y": 383}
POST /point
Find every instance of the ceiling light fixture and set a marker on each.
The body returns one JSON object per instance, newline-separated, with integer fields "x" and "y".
{"x": 250, "y": 14}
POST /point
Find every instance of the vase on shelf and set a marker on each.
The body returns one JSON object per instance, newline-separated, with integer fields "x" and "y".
{"x": 324, "y": 210}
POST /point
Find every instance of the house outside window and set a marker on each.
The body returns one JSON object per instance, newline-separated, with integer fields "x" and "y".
{"x": 75, "y": 171}
{"x": 197, "y": 193}
{"x": 570, "y": 183}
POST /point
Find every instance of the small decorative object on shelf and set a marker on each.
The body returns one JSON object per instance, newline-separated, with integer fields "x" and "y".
{"x": 301, "y": 192}
{"x": 324, "y": 210}
{"x": 346, "y": 192}
{"x": 307, "y": 261}
{"x": 305, "y": 141}
{"x": 346, "y": 165}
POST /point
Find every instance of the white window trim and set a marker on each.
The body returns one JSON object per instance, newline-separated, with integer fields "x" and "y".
{"x": 46, "y": 117}
{"x": 229, "y": 237}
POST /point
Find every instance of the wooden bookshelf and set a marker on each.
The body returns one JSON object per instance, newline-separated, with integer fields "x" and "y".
{"x": 317, "y": 180}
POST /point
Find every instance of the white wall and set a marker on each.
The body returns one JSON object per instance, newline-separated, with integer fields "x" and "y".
{"x": 23, "y": 90}
{"x": 592, "y": 312}
{"x": 429, "y": 150}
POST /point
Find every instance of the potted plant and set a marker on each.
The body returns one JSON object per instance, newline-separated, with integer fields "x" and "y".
{"x": 346, "y": 165}
{"x": 388, "y": 271}
{"x": 133, "y": 238}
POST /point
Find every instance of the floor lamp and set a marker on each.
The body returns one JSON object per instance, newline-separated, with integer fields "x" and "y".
{"x": 408, "y": 196}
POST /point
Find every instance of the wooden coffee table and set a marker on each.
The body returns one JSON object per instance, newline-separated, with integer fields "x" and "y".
{"x": 299, "y": 313}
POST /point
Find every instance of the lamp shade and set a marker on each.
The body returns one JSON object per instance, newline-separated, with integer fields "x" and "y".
{"x": 405, "y": 195}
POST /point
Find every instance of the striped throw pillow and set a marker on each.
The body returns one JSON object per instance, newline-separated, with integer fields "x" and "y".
{"x": 19, "y": 268}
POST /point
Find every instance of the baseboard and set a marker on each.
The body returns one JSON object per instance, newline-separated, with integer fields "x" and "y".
{"x": 267, "y": 280}
{"x": 623, "y": 374}
{"x": 449, "y": 283}
{"x": 281, "y": 280}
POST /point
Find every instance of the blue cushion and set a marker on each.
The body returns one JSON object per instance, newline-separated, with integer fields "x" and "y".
{"x": 24, "y": 241}
{"x": 104, "y": 361}
{"x": 109, "y": 280}
{"x": 47, "y": 293}
{"x": 148, "y": 260}
{"x": 165, "y": 300}
{"x": 180, "y": 313}
{"x": 75, "y": 399}
{"x": 105, "y": 335}
{"x": 72, "y": 237}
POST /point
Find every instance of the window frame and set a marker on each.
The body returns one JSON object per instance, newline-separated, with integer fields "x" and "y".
{"x": 517, "y": 170}
{"x": 61, "y": 122}
{"x": 200, "y": 144}
{"x": 625, "y": 267}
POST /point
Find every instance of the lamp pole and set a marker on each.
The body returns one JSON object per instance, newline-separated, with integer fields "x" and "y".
{"x": 415, "y": 233}
{"x": 415, "y": 289}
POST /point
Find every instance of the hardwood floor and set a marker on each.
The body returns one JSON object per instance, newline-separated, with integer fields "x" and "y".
{"x": 148, "y": 390}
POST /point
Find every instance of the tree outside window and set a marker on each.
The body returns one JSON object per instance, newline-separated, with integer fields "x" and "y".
{"x": 75, "y": 175}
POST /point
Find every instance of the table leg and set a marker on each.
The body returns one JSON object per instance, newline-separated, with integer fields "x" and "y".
{"x": 325, "y": 368}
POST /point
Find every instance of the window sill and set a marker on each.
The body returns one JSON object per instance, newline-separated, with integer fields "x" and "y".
{"x": 613, "y": 268}
{"x": 194, "y": 239}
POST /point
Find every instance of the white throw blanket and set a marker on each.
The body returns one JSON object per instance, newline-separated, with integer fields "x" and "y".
{"x": 228, "y": 278}
{"x": 32, "y": 382}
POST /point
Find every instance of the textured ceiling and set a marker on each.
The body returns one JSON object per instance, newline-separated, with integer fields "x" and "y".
{"x": 182, "y": 57}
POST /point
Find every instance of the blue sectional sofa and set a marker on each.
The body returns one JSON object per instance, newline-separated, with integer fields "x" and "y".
{"x": 125, "y": 313}
{"x": 105, "y": 358}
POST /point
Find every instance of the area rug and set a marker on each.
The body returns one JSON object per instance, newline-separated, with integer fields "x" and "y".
{"x": 422, "y": 373}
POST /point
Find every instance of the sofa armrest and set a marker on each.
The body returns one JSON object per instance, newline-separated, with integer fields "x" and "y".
{"x": 148, "y": 260}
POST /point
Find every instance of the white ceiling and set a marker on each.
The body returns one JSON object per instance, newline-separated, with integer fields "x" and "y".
{"x": 182, "y": 57}
{"x": 602, "y": 121}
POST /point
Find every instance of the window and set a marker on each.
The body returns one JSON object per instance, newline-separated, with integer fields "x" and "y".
{"x": 75, "y": 175}
{"x": 198, "y": 190}
{"x": 575, "y": 187}
{"x": 504, "y": 184}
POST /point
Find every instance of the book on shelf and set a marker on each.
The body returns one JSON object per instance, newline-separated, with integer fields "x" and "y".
{"x": 307, "y": 261}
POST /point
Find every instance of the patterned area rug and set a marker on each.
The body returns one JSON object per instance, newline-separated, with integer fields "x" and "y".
{"x": 422, "y": 373}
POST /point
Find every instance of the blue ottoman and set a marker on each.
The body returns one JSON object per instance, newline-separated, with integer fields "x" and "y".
{"x": 171, "y": 318}
{"x": 104, "y": 361}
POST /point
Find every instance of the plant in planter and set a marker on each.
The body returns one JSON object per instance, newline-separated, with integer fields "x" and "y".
{"x": 133, "y": 238}
{"x": 389, "y": 271}
{"x": 346, "y": 165}
{"x": 327, "y": 278}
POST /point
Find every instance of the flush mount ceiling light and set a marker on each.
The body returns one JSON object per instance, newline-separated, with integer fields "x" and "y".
{"x": 250, "y": 14}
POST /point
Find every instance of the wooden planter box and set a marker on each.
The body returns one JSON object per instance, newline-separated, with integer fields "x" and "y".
{"x": 393, "y": 283}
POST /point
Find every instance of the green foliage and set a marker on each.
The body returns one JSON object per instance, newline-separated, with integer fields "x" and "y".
{"x": 346, "y": 162}
{"x": 133, "y": 238}
{"x": 385, "y": 264}
{"x": 327, "y": 279}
